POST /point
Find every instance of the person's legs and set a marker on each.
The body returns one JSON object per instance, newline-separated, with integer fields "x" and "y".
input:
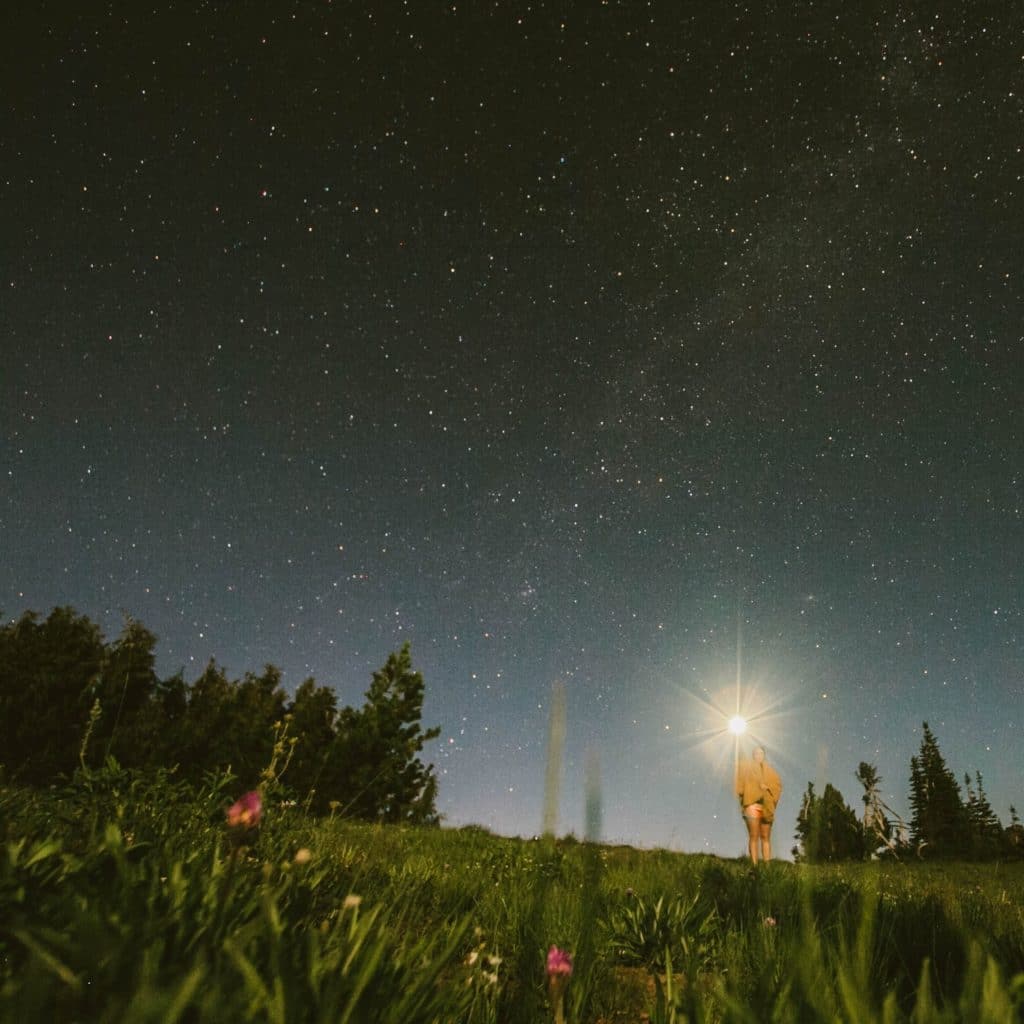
{"x": 765, "y": 830}
{"x": 753, "y": 826}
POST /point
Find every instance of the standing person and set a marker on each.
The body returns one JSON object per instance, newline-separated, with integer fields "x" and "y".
{"x": 758, "y": 787}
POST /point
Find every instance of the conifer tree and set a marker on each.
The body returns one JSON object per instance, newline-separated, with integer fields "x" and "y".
{"x": 827, "y": 828}
{"x": 874, "y": 820}
{"x": 1014, "y": 835}
{"x": 125, "y": 687}
{"x": 986, "y": 828}
{"x": 257, "y": 703}
{"x": 375, "y": 750}
{"x": 206, "y": 724}
{"x": 882, "y": 825}
{"x": 48, "y": 673}
{"x": 53, "y": 673}
{"x": 940, "y": 826}
{"x": 314, "y": 713}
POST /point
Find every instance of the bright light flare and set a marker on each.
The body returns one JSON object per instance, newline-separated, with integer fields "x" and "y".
{"x": 727, "y": 721}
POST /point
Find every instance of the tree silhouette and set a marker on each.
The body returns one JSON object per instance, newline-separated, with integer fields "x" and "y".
{"x": 314, "y": 712}
{"x": 987, "y": 836}
{"x": 1014, "y": 834}
{"x": 258, "y": 703}
{"x": 939, "y": 826}
{"x": 204, "y": 734}
{"x": 47, "y": 672}
{"x": 375, "y": 749}
{"x": 125, "y": 686}
{"x": 55, "y": 672}
{"x": 879, "y": 817}
{"x": 827, "y": 829}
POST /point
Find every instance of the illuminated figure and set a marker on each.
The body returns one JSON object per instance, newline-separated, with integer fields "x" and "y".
{"x": 758, "y": 788}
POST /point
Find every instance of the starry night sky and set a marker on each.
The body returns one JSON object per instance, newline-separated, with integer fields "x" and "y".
{"x": 646, "y": 347}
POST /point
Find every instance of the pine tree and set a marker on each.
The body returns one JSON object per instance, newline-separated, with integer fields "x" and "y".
{"x": 375, "y": 749}
{"x": 882, "y": 825}
{"x": 986, "y": 829}
{"x": 125, "y": 687}
{"x": 940, "y": 826}
{"x": 54, "y": 673}
{"x": 314, "y": 713}
{"x": 1014, "y": 835}
{"x": 257, "y": 705}
{"x": 879, "y": 817}
{"x": 206, "y": 725}
{"x": 876, "y": 826}
{"x": 48, "y": 675}
{"x": 827, "y": 829}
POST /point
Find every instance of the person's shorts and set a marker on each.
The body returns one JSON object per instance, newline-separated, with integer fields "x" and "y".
{"x": 754, "y": 811}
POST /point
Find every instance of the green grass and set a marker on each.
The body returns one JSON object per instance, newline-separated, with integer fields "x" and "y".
{"x": 121, "y": 899}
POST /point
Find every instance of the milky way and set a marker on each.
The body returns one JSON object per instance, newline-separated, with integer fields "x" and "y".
{"x": 641, "y": 347}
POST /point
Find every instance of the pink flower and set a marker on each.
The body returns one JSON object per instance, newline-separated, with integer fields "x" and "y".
{"x": 559, "y": 963}
{"x": 559, "y": 973}
{"x": 245, "y": 811}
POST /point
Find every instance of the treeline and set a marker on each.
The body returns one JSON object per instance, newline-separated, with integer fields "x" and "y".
{"x": 70, "y": 700}
{"x": 947, "y": 822}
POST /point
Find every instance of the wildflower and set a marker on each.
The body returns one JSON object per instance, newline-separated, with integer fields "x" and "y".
{"x": 559, "y": 973}
{"x": 352, "y": 901}
{"x": 770, "y": 922}
{"x": 303, "y": 856}
{"x": 559, "y": 963}
{"x": 245, "y": 811}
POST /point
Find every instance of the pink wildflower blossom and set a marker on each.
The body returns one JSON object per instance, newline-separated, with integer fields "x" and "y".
{"x": 559, "y": 963}
{"x": 559, "y": 973}
{"x": 245, "y": 811}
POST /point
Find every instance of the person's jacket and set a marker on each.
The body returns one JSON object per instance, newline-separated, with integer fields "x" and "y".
{"x": 758, "y": 783}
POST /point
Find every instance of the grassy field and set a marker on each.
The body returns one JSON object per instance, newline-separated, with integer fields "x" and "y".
{"x": 129, "y": 898}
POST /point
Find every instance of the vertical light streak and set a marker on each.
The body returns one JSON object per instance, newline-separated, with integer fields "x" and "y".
{"x": 739, "y": 687}
{"x": 592, "y": 775}
{"x": 556, "y": 743}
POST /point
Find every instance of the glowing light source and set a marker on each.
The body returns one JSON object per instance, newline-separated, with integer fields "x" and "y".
{"x": 737, "y": 725}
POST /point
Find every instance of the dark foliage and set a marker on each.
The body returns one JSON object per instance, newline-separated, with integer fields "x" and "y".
{"x": 50, "y": 673}
{"x": 827, "y": 829}
{"x": 940, "y": 826}
{"x": 375, "y": 748}
{"x": 70, "y": 700}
